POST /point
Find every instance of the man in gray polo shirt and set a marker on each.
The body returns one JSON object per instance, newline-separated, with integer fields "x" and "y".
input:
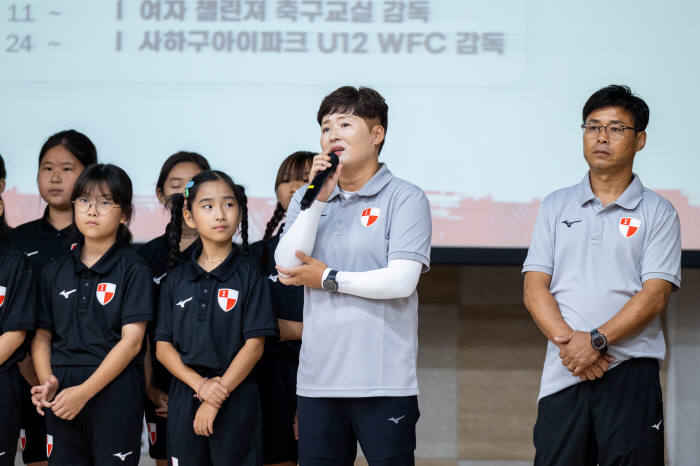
{"x": 359, "y": 251}
{"x": 604, "y": 258}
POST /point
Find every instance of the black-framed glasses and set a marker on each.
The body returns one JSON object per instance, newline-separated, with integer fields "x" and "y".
{"x": 614, "y": 132}
{"x": 103, "y": 207}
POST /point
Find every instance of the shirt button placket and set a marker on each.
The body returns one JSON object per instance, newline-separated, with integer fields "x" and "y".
{"x": 338, "y": 230}
{"x": 203, "y": 299}
{"x": 84, "y": 289}
{"x": 598, "y": 230}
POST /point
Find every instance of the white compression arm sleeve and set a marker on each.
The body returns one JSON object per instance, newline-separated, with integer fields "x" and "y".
{"x": 398, "y": 280}
{"x": 301, "y": 237}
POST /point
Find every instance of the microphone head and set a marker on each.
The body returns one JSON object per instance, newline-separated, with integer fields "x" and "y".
{"x": 334, "y": 158}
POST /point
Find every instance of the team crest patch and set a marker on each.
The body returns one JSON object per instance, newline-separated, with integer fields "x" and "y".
{"x": 49, "y": 444}
{"x": 72, "y": 246}
{"x": 2, "y": 295}
{"x": 152, "y": 432}
{"x": 227, "y": 298}
{"x": 370, "y": 216}
{"x": 105, "y": 292}
{"x": 22, "y": 439}
{"x": 629, "y": 226}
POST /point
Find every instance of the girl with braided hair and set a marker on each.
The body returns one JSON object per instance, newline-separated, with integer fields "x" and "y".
{"x": 162, "y": 254}
{"x": 277, "y": 372}
{"x": 214, "y": 313}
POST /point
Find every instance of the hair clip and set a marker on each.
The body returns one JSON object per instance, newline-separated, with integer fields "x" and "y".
{"x": 187, "y": 188}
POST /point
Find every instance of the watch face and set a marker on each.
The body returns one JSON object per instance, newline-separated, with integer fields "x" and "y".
{"x": 330, "y": 286}
{"x": 599, "y": 341}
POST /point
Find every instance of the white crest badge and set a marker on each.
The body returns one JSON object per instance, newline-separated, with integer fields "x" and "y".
{"x": 227, "y": 298}
{"x": 49, "y": 444}
{"x": 370, "y": 216}
{"x": 2, "y": 295}
{"x": 105, "y": 292}
{"x": 629, "y": 226}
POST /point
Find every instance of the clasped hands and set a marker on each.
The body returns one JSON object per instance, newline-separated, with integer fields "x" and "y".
{"x": 579, "y": 356}
{"x": 213, "y": 394}
{"x": 66, "y": 405}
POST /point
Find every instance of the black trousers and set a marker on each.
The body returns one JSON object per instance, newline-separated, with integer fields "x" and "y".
{"x": 615, "y": 420}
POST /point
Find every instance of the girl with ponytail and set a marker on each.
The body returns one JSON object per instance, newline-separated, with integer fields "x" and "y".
{"x": 88, "y": 350}
{"x": 162, "y": 254}
{"x": 277, "y": 372}
{"x": 214, "y": 313}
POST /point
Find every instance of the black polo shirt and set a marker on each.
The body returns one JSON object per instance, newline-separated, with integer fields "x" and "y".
{"x": 41, "y": 242}
{"x": 156, "y": 253}
{"x": 17, "y": 298}
{"x": 208, "y": 316}
{"x": 86, "y": 308}
{"x": 288, "y": 300}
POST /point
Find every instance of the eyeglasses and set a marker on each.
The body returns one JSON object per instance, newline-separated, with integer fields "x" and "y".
{"x": 614, "y": 132}
{"x": 83, "y": 204}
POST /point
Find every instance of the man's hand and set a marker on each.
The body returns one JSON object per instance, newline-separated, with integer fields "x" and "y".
{"x": 597, "y": 369}
{"x": 578, "y": 353}
{"x": 310, "y": 274}
{"x": 214, "y": 392}
{"x": 70, "y": 402}
{"x": 160, "y": 399}
{"x": 320, "y": 163}
{"x": 204, "y": 419}
{"x": 43, "y": 395}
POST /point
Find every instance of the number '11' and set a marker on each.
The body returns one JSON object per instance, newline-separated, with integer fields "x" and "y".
{"x": 27, "y": 10}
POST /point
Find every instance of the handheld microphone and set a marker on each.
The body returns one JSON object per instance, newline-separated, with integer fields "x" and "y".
{"x": 318, "y": 182}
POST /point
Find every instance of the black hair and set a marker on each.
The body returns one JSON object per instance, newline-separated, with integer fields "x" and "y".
{"x": 294, "y": 167}
{"x": 619, "y": 96}
{"x": 76, "y": 143}
{"x": 180, "y": 157}
{"x": 5, "y": 230}
{"x": 365, "y": 103}
{"x": 178, "y": 201}
{"x": 3, "y": 173}
{"x": 95, "y": 179}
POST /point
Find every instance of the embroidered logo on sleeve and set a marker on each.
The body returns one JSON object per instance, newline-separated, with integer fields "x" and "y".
{"x": 629, "y": 226}
{"x": 2, "y": 295}
{"x": 370, "y": 216}
{"x": 227, "y": 298}
{"x": 105, "y": 292}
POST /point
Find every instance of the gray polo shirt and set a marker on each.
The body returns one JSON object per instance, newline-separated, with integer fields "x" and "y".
{"x": 598, "y": 258}
{"x": 353, "y": 346}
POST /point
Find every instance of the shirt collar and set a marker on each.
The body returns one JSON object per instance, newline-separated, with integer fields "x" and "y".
{"x": 46, "y": 230}
{"x": 632, "y": 195}
{"x": 373, "y": 186}
{"x": 106, "y": 262}
{"x": 628, "y": 200}
{"x": 223, "y": 271}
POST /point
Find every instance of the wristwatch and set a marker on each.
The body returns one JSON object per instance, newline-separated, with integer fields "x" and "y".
{"x": 598, "y": 341}
{"x": 329, "y": 284}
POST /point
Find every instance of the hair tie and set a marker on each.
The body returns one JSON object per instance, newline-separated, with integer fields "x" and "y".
{"x": 187, "y": 188}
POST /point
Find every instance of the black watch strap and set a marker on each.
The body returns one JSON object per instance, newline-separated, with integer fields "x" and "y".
{"x": 331, "y": 275}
